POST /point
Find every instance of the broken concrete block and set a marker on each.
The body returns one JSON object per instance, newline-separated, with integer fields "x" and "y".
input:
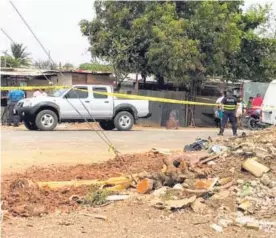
{"x": 254, "y": 167}
{"x": 252, "y": 225}
{"x": 177, "y": 204}
{"x": 265, "y": 180}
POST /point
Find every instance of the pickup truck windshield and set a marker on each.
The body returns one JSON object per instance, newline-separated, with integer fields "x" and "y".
{"x": 58, "y": 92}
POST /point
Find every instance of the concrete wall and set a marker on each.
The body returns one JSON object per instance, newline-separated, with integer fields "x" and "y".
{"x": 64, "y": 79}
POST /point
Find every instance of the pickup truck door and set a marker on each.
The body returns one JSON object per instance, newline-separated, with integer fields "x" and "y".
{"x": 75, "y": 99}
{"x": 101, "y": 105}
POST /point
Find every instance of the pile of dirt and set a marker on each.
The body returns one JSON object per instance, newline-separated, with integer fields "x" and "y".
{"x": 22, "y": 197}
{"x": 135, "y": 163}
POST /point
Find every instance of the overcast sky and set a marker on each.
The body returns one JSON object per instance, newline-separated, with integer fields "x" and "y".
{"x": 55, "y": 22}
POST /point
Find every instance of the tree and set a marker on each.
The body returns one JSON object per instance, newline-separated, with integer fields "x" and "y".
{"x": 182, "y": 41}
{"x": 96, "y": 67}
{"x": 68, "y": 66}
{"x": 19, "y": 56}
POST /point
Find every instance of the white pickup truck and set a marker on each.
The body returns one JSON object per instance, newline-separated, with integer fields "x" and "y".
{"x": 80, "y": 103}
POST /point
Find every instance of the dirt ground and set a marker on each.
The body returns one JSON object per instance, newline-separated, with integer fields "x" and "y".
{"x": 125, "y": 219}
{"x": 74, "y": 144}
{"x": 67, "y": 154}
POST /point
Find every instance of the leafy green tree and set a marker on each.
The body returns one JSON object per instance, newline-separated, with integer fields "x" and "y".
{"x": 68, "y": 66}
{"x": 96, "y": 67}
{"x": 182, "y": 41}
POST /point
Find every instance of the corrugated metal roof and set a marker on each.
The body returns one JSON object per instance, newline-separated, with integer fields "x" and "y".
{"x": 25, "y": 74}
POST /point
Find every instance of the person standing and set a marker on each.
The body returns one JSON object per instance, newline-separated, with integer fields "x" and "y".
{"x": 257, "y": 104}
{"x": 218, "y": 110}
{"x": 40, "y": 93}
{"x": 229, "y": 105}
{"x": 14, "y": 96}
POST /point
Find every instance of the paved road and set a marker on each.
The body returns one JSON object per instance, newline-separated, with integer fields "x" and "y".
{"x": 22, "y": 148}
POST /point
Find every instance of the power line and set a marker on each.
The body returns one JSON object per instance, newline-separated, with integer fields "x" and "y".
{"x": 6, "y": 34}
{"x": 16, "y": 45}
{"x": 39, "y": 42}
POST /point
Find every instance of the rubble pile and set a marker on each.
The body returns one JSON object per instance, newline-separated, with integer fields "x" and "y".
{"x": 234, "y": 178}
{"x": 237, "y": 174}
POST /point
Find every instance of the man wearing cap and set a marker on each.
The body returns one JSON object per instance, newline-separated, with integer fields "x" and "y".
{"x": 229, "y": 105}
{"x": 14, "y": 96}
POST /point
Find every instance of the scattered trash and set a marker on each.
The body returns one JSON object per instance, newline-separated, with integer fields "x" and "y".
{"x": 265, "y": 180}
{"x": 246, "y": 190}
{"x": 178, "y": 186}
{"x": 145, "y": 186}
{"x": 247, "y": 206}
{"x": 254, "y": 167}
{"x": 216, "y": 227}
{"x": 217, "y": 149}
{"x": 118, "y": 197}
{"x": 199, "y": 144}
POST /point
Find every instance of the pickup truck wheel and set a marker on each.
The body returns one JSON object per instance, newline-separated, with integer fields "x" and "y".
{"x": 30, "y": 125}
{"x": 46, "y": 120}
{"x": 107, "y": 125}
{"x": 123, "y": 121}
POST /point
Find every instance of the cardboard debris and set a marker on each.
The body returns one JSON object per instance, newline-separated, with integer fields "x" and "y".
{"x": 205, "y": 183}
{"x": 254, "y": 167}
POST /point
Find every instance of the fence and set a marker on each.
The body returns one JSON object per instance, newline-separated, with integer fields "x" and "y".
{"x": 167, "y": 114}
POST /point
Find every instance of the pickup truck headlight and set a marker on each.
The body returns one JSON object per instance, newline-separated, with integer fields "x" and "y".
{"x": 27, "y": 103}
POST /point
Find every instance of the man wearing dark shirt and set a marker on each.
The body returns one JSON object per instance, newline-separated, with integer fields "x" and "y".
{"x": 14, "y": 96}
{"x": 229, "y": 104}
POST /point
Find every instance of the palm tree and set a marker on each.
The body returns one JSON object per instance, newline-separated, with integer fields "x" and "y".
{"x": 19, "y": 52}
{"x": 19, "y": 56}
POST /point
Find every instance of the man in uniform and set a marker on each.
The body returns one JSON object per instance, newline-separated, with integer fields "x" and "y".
{"x": 229, "y": 105}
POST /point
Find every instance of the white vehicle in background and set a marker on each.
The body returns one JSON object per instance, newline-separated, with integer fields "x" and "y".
{"x": 78, "y": 103}
{"x": 269, "y": 105}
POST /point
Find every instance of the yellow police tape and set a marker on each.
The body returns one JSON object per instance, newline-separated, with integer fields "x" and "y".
{"x": 121, "y": 95}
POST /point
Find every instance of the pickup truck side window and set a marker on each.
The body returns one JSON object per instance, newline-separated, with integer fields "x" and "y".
{"x": 74, "y": 93}
{"x": 99, "y": 89}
